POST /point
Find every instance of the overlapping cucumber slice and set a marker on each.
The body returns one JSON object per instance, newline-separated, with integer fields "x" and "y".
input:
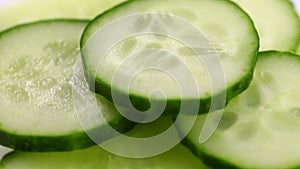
{"x": 261, "y": 127}
{"x": 230, "y": 35}
{"x": 37, "y": 76}
{"x": 14, "y": 12}
{"x": 272, "y": 19}
{"x": 93, "y": 158}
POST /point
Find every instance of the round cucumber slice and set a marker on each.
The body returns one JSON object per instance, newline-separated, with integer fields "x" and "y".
{"x": 37, "y": 75}
{"x": 128, "y": 60}
{"x": 19, "y": 11}
{"x": 271, "y": 18}
{"x": 260, "y": 128}
{"x": 177, "y": 158}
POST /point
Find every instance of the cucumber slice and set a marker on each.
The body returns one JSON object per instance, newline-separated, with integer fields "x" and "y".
{"x": 260, "y": 128}
{"x": 271, "y": 18}
{"x": 20, "y": 11}
{"x": 37, "y": 74}
{"x": 92, "y": 158}
{"x": 177, "y": 158}
{"x": 225, "y": 33}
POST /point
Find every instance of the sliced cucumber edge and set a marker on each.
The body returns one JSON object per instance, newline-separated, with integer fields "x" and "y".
{"x": 67, "y": 142}
{"x": 217, "y": 162}
{"x": 172, "y": 106}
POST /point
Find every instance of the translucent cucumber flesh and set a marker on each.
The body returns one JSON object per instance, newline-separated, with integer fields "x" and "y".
{"x": 92, "y": 158}
{"x": 37, "y": 80}
{"x": 177, "y": 158}
{"x": 236, "y": 53}
{"x": 260, "y": 128}
{"x": 131, "y": 45}
{"x": 273, "y": 34}
{"x": 20, "y": 11}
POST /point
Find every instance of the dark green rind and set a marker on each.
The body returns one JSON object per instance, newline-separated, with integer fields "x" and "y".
{"x": 213, "y": 161}
{"x": 179, "y": 157}
{"x": 219, "y": 163}
{"x": 119, "y": 6}
{"x": 278, "y": 53}
{"x": 173, "y": 106}
{"x": 68, "y": 142}
{"x": 209, "y": 160}
{"x": 43, "y": 21}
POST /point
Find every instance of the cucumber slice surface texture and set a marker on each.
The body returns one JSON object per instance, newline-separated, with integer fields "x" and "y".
{"x": 260, "y": 128}
{"x": 298, "y": 50}
{"x": 37, "y": 74}
{"x": 93, "y": 158}
{"x": 225, "y": 28}
{"x": 21, "y": 11}
{"x": 272, "y": 18}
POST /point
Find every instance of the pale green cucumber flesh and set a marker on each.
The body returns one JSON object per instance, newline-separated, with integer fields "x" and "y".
{"x": 93, "y": 158}
{"x": 272, "y": 18}
{"x": 15, "y": 12}
{"x": 237, "y": 53}
{"x": 37, "y": 77}
{"x": 260, "y": 128}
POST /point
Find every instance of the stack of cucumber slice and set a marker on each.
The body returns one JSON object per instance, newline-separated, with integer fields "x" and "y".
{"x": 58, "y": 63}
